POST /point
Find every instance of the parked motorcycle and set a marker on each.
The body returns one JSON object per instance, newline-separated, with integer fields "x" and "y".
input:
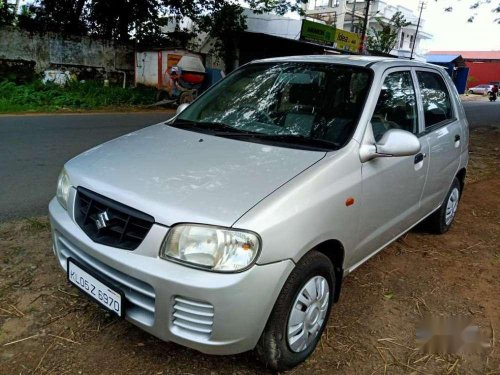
{"x": 494, "y": 93}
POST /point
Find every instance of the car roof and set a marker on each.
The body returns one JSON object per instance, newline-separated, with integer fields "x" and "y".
{"x": 354, "y": 60}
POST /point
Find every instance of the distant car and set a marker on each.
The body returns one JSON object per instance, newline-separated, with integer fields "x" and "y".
{"x": 481, "y": 89}
{"x": 231, "y": 226}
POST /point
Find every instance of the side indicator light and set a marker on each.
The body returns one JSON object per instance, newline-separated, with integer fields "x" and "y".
{"x": 349, "y": 201}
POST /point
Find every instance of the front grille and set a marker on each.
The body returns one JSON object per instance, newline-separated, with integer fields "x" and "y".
{"x": 124, "y": 227}
{"x": 193, "y": 316}
{"x": 140, "y": 296}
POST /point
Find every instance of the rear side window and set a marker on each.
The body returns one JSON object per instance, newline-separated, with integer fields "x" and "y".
{"x": 435, "y": 98}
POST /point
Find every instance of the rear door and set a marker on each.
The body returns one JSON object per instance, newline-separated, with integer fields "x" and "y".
{"x": 443, "y": 135}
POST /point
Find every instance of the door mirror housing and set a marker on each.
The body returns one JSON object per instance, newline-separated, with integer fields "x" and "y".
{"x": 395, "y": 142}
{"x": 181, "y": 108}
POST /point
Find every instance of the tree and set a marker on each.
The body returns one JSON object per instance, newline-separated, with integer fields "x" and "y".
{"x": 7, "y": 13}
{"x": 384, "y": 37}
{"x": 64, "y": 16}
{"x": 142, "y": 21}
{"x": 476, "y": 5}
{"x": 224, "y": 25}
{"x": 225, "y": 21}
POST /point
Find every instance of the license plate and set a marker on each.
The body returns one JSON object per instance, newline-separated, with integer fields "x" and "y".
{"x": 90, "y": 284}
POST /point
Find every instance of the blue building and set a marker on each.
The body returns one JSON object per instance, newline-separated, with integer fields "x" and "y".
{"x": 455, "y": 66}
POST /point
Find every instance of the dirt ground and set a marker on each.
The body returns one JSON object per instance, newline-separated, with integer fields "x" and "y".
{"x": 47, "y": 327}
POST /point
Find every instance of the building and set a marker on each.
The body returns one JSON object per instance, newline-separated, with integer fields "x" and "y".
{"x": 349, "y": 15}
{"x": 271, "y": 35}
{"x": 484, "y": 66}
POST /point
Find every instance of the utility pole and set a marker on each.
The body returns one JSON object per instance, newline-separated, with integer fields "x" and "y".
{"x": 416, "y": 32}
{"x": 353, "y": 15}
{"x": 365, "y": 25}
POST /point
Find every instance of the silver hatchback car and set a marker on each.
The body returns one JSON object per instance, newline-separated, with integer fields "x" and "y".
{"x": 231, "y": 226}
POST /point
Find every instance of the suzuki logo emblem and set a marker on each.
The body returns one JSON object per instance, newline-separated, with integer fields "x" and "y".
{"x": 102, "y": 220}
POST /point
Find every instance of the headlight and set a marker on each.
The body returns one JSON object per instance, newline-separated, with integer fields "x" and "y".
{"x": 63, "y": 186}
{"x": 212, "y": 248}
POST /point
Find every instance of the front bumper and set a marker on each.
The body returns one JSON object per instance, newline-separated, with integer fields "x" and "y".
{"x": 210, "y": 312}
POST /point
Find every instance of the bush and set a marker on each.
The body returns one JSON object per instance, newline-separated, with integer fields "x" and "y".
{"x": 38, "y": 97}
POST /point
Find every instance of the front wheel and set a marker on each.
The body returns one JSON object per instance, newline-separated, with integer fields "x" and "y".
{"x": 300, "y": 314}
{"x": 440, "y": 221}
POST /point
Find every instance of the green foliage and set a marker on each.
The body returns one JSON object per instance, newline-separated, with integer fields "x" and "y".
{"x": 142, "y": 20}
{"x": 384, "y": 37}
{"x": 223, "y": 25}
{"x": 75, "y": 96}
{"x": 7, "y": 16}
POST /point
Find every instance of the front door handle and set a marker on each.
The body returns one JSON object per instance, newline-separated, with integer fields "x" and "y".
{"x": 419, "y": 157}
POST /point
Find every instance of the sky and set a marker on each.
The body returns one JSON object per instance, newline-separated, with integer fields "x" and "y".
{"x": 452, "y": 31}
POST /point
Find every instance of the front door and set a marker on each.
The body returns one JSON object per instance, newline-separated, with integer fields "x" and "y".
{"x": 392, "y": 186}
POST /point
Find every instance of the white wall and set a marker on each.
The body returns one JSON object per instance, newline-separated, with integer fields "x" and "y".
{"x": 272, "y": 24}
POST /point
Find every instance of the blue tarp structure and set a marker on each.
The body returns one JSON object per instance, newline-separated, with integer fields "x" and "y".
{"x": 442, "y": 59}
{"x": 455, "y": 66}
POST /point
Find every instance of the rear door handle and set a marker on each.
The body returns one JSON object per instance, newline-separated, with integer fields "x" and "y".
{"x": 419, "y": 157}
{"x": 457, "y": 138}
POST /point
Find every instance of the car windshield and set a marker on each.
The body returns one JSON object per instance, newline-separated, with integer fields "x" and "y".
{"x": 312, "y": 106}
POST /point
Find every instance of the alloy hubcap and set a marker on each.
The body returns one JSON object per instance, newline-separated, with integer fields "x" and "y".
{"x": 451, "y": 206}
{"x": 308, "y": 314}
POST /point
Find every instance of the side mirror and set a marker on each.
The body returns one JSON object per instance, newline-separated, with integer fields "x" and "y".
{"x": 395, "y": 142}
{"x": 181, "y": 108}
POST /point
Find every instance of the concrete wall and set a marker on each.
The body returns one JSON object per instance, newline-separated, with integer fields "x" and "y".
{"x": 50, "y": 50}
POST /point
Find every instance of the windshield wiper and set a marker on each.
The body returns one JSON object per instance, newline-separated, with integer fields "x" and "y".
{"x": 301, "y": 140}
{"x": 224, "y": 130}
{"x": 213, "y": 127}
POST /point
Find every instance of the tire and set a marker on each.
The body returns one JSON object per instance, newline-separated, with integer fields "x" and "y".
{"x": 161, "y": 95}
{"x": 275, "y": 349}
{"x": 186, "y": 97}
{"x": 471, "y": 92}
{"x": 441, "y": 220}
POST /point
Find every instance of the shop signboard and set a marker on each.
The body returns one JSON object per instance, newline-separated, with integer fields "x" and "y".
{"x": 347, "y": 41}
{"x": 317, "y": 33}
{"x": 320, "y": 33}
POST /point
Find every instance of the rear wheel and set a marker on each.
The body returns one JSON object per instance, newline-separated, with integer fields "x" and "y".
{"x": 161, "y": 95}
{"x": 300, "y": 314}
{"x": 440, "y": 221}
{"x": 186, "y": 97}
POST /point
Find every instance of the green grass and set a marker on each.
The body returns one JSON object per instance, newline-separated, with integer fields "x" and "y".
{"x": 37, "y": 97}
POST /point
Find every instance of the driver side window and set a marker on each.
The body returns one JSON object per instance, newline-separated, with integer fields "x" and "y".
{"x": 396, "y": 106}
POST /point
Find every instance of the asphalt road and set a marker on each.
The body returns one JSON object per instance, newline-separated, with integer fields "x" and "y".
{"x": 483, "y": 113}
{"x": 33, "y": 149}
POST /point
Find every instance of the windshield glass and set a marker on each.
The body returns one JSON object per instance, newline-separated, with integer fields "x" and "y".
{"x": 296, "y": 104}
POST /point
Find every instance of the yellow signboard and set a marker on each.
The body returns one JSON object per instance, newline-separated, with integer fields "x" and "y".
{"x": 347, "y": 41}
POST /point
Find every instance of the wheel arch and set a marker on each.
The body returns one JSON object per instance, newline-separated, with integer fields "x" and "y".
{"x": 461, "y": 178}
{"x": 334, "y": 250}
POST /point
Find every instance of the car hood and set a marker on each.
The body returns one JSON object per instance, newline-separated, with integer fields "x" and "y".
{"x": 177, "y": 175}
